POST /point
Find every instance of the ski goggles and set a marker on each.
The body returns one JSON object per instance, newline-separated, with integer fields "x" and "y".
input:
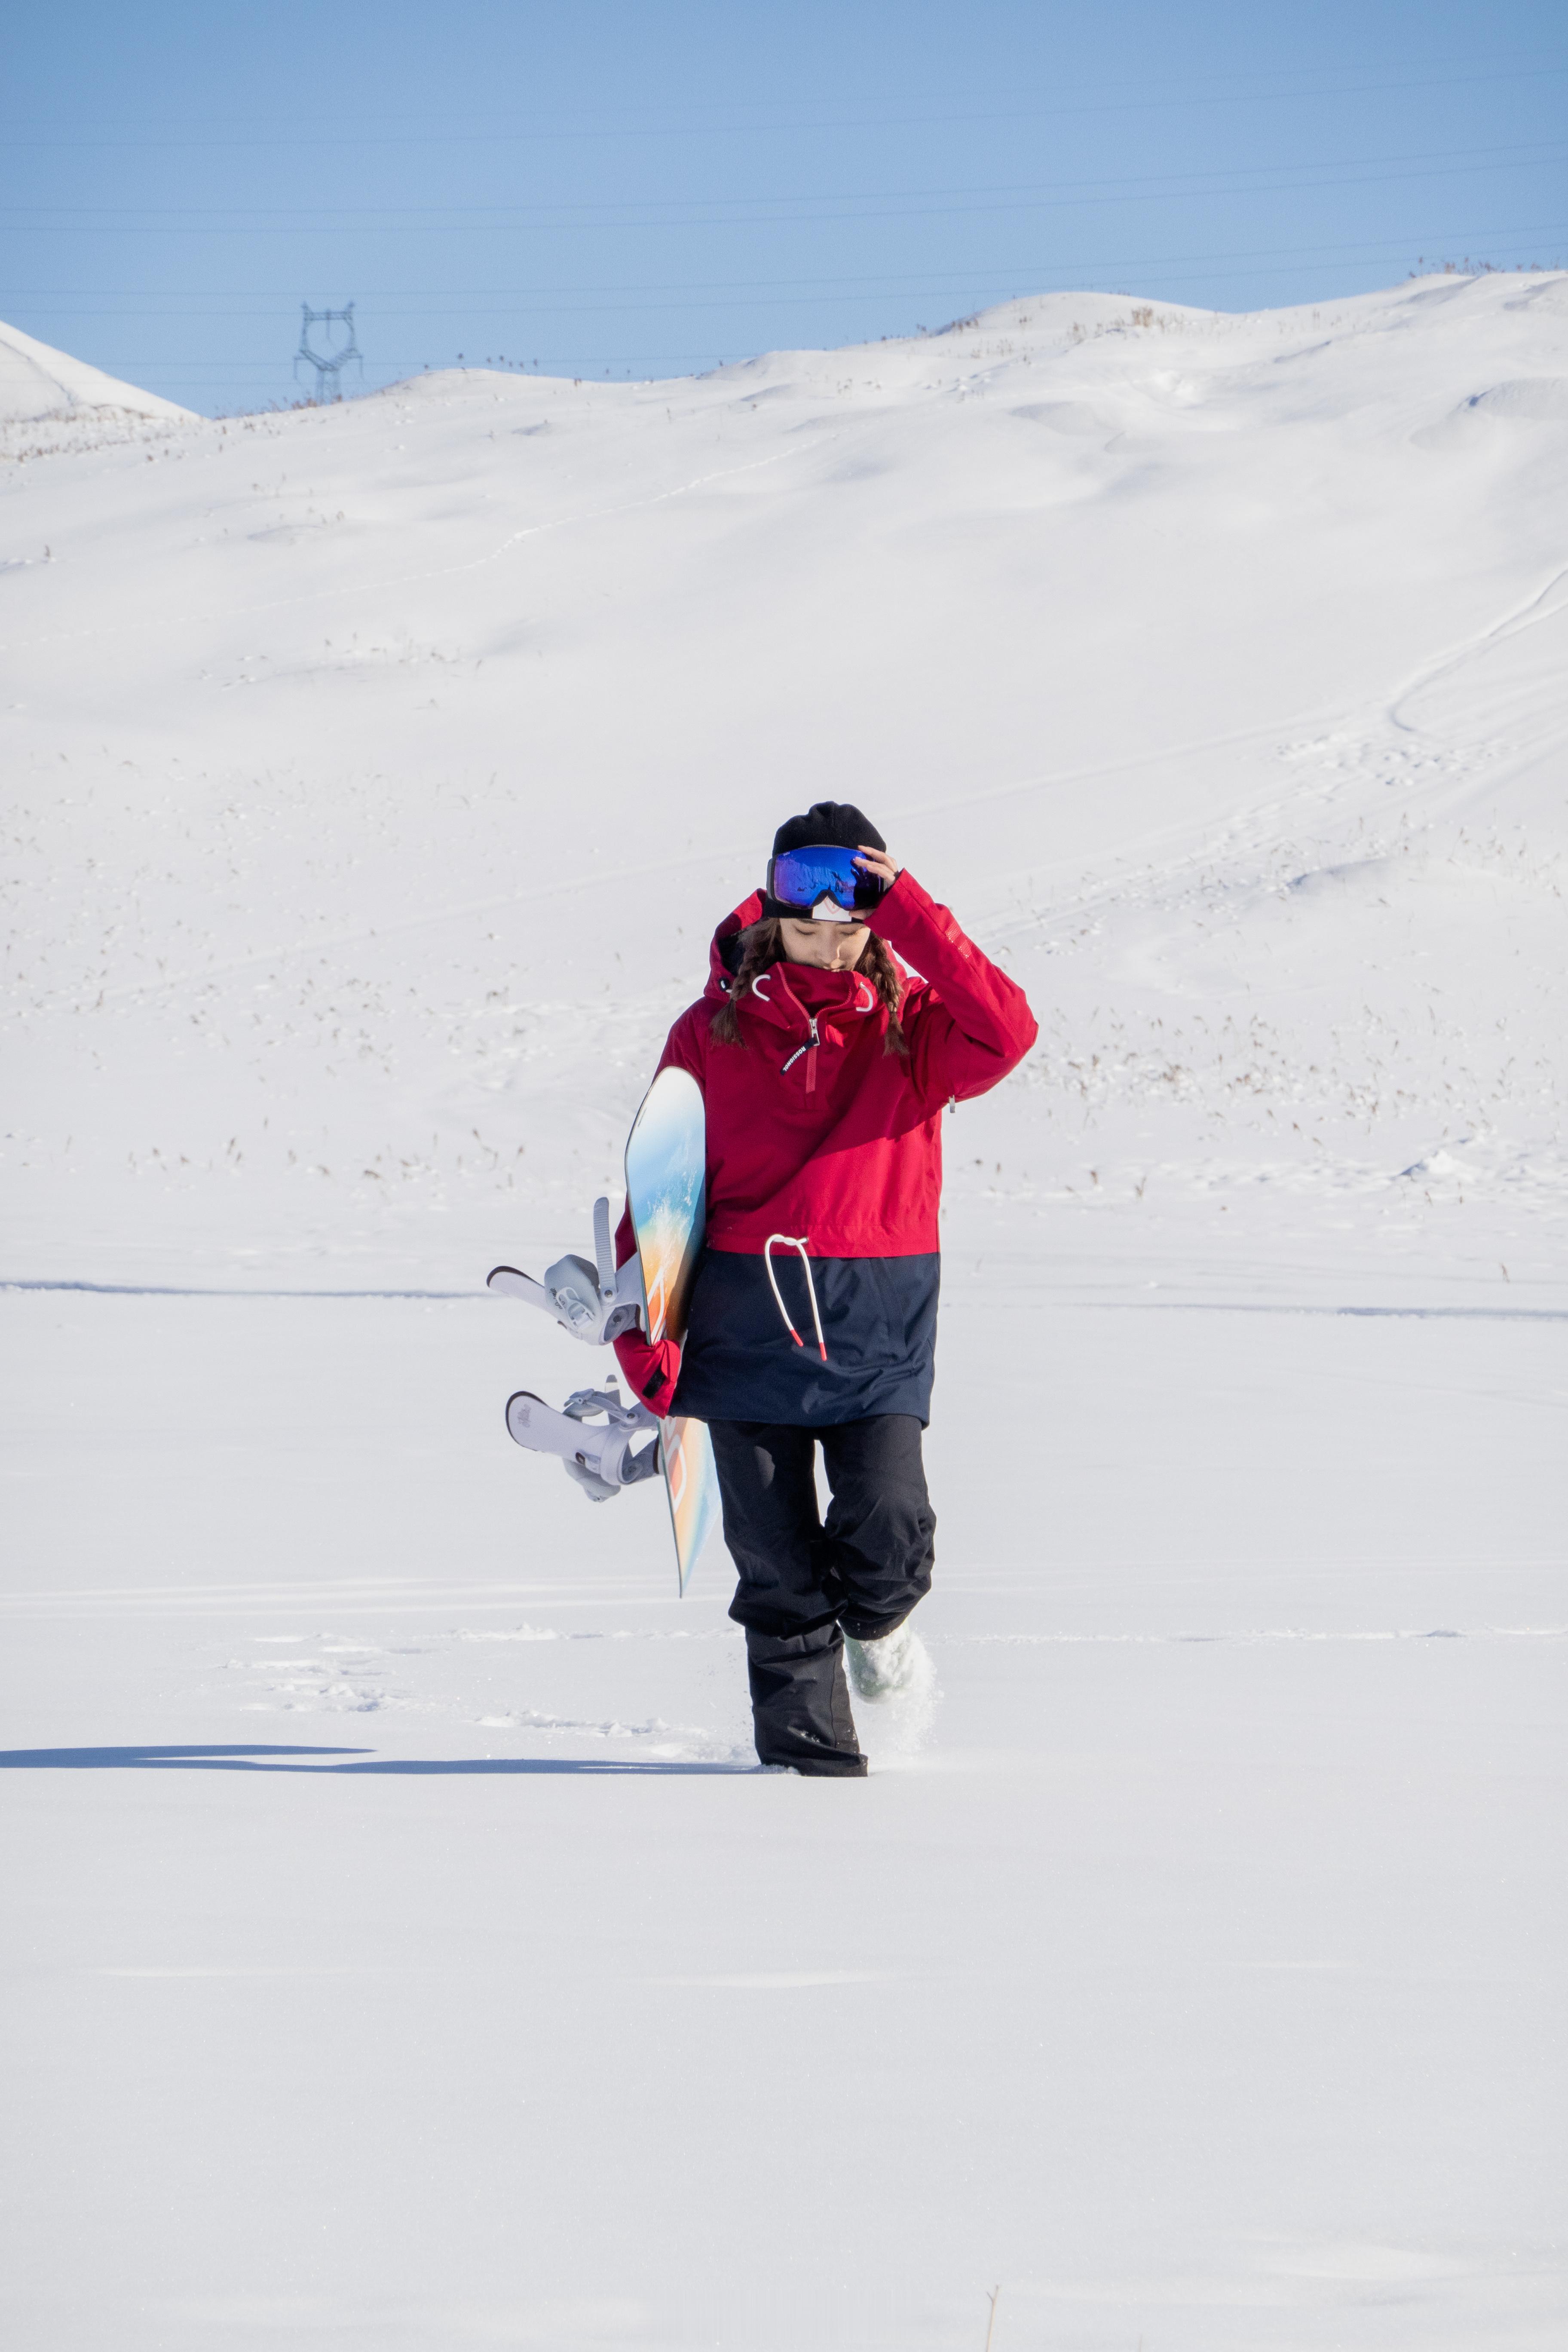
{"x": 822, "y": 884}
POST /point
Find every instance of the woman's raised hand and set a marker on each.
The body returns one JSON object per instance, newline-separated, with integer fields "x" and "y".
{"x": 878, "y": 862}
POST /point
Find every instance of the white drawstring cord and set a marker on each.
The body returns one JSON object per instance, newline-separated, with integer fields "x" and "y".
{"x": 790, "y": 1241}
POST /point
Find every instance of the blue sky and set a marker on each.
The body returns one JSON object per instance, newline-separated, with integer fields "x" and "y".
{"x": 609, "y": 190}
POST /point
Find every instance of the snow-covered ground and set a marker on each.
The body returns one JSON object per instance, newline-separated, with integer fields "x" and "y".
{"x": 374, "y": 776}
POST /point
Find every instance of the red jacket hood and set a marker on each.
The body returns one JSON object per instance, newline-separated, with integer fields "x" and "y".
{"x": 719, "y": 975}
{"x": 795, "y": 992}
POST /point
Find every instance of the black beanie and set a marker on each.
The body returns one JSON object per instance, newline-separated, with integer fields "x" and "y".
{"x": 837, "y": 824}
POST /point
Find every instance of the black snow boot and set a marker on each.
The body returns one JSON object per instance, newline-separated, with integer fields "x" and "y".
{"x": 800, "y": 1701}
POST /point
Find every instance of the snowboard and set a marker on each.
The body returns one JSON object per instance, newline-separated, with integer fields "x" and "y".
{"x": 666, "y": 1167}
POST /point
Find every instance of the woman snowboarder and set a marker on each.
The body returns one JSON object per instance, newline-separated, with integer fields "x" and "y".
{"x": 825, "y": 1066}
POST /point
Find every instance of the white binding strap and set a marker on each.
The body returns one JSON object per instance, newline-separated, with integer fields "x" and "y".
{"x": 799, "y": 1242}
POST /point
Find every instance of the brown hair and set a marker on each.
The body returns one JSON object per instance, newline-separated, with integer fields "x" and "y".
{"x": 762, "y": 944}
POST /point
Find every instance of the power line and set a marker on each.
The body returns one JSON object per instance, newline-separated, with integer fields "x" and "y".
{"x": 873, "y": 280}
{"x": 163, "y": 227}
{"x": 964, "y": 294}
{"x": 634, "y": 127}
{"x": 1394, "y": 245}
{"x": 1182, "y": 264}
{"x": 1244, "y": 181}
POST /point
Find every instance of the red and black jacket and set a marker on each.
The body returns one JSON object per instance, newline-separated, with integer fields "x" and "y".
{"x": 816, "y": 1132}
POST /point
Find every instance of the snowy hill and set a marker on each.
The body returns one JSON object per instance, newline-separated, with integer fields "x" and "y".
{"x": 50, "y": 401}
{"x": 387, "y": 765}
{"x": 398, "y": 1940}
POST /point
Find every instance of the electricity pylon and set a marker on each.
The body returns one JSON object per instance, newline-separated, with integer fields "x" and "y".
{"x": 329, "y": 362}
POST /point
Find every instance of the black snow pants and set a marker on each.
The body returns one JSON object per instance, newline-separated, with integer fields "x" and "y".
{"x": 807, "y": 1582}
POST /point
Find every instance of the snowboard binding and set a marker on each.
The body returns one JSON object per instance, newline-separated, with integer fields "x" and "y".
{"x": 599, "y": 1454}
{"x": 606, "y": 1444}
{"x": 594, "y": 1301}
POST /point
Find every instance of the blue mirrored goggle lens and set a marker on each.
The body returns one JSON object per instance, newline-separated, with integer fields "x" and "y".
{"x": 801, "y": 876}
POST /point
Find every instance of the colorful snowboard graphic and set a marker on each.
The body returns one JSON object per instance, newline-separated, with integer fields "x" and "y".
{"x": 666, "y": 1193}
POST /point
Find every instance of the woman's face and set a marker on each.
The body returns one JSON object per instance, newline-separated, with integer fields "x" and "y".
{"x": 834, "y": 946}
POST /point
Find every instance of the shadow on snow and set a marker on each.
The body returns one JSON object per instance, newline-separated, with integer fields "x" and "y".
{"x": 250, "y": 1758}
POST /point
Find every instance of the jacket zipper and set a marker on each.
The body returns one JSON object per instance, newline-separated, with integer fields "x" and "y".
{"x": 809, "y": 1050}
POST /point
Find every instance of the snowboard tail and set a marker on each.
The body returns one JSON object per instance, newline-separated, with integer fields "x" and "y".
{"x": 667, "y": 1154}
